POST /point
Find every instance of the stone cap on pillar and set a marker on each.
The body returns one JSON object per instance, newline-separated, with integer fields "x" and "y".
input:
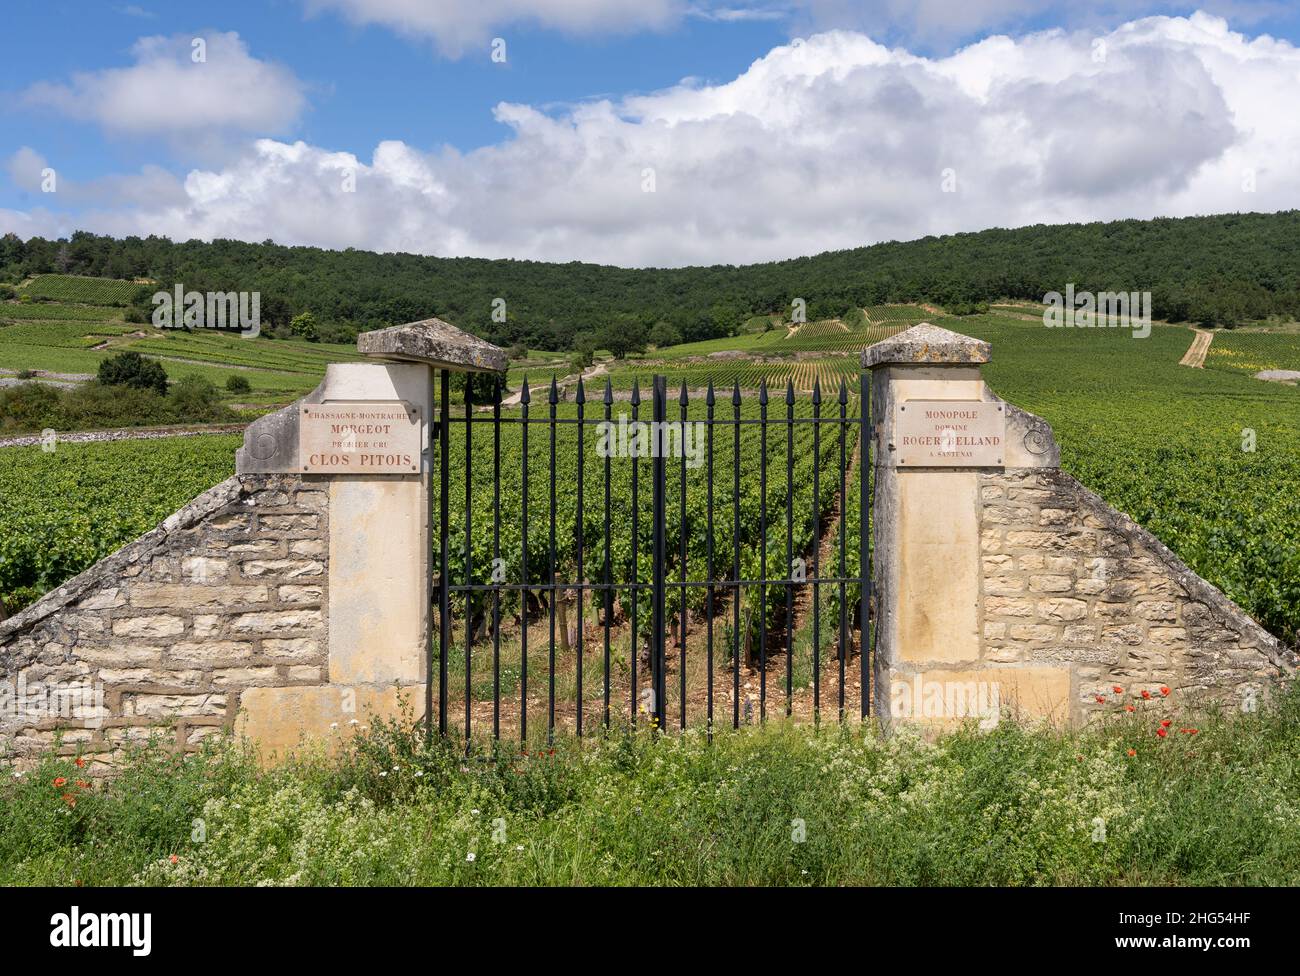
{"x": 926, "y": 345}
{"x": 436, "y": 343}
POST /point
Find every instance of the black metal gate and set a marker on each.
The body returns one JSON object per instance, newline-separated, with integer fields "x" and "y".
{"x": 636, "y": 578}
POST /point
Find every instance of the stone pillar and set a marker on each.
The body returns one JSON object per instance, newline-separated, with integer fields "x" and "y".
{"x": 927, "y": 527}
{"x": 381, "y": 532}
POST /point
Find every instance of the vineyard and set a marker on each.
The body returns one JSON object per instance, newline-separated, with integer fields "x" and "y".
{"x": 900, "y": 314}
{"x": 1206, "y": 459}
{"x": 89, "y": 291}
{"x": 47, "y": 311}
{"x": 1253, "y": 352}
{"x": 748, "y": 373}
{"x": 57, "y": 336}
{"x": 63, "y": 510}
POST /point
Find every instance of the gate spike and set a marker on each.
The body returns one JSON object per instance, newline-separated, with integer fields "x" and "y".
{"x": 817, "y": 390}
{"x": 580, "y": 396}
{"x": 762, "y": 391}
{"x": 708, "y": 397}
{"x": 683, "y": 399}
{"x": 789, "y": 392}
{"x": 609, "y": 391}
{"x": 735, "y": 393}
{"x": 636, "y": 391}
{"x": 524, "y": 395}
{"x": 844, "y": 392}
{"x": 555, "y": 393}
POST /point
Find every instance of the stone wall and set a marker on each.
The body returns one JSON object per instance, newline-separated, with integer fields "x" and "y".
{"x": 1011, "y": 588}
{"x": 164, "y": 637}
{"x": 1069, "y": 582}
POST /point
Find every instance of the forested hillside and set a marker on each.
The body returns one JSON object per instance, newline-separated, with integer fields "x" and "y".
{"x": 1219, "y": 270}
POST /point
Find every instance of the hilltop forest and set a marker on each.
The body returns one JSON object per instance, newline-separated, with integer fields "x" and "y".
{"x": 1217, "y": 271}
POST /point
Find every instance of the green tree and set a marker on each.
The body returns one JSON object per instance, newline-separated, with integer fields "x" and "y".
{"x": 624, "y": 335}
{"x": 584, "y": 349}
{"x": 664, "y": 334}
{"x": 303, "y": 326}
{"x": 133, "y": 370}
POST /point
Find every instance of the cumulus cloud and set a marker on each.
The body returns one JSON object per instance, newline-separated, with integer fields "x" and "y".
{"x": 184, "y": 86}
{"x": 456, "y": 25}
{"x": 151, "y": 187}
{"x": 941, "y": 23}
{"x": 831, "y": 142}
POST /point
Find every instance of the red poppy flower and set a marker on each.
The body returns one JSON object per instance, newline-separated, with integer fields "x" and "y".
{"x": 82, "y": 784}
{"x": 1166, "y": 723}
{"x": 59, "y": 780}
{"x": 1118, "y": 690}
{"x": 69, "y": 799}
{"x": 1145, "y": 693}
{"x": 1164, "y": 689}
{"x": 1189, "y": 731}
{"x": 1129, "y": 708}
{"x": 1101, "y": 699}
{"x": 1162, "y": 732}
{"x": 173, "y": 858}
{"x": 1132, "y": 752}
{"x": 81, "y": 763}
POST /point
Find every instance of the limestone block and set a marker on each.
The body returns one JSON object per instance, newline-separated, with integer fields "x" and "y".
{"x": 282, "y": 720}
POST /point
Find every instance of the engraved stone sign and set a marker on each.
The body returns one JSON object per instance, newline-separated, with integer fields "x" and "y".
{"x": 359, "y": 438}
{"x": 950, "y": 433}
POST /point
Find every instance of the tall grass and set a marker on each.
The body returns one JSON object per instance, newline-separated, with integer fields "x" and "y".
{"x": 779, "y": 805}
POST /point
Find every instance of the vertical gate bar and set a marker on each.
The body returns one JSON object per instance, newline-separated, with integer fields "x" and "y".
{"x": 496, "y": 558}
{"x": 658, "y": 648}
{"x": 789, "y": 547}
{"x": 553, "y": 595}
{"x": 735, "y": 554}
{"x": 428, "y": 582}
{"x": 444, "y": 595}
{"x": 762, "y": 551}
{"x": 469, "y": 552}
{"x": 816, "y": 553}
{"x": 844, "y": 612}
{"x": 708, "y": 593}
{"x": 609, "y": 572}
{"x": 682, "y": 533}
{"x": 524, "y": 398}
{"x": 581, "y": 399}
{"x": 864, "y": 537}
{"x": 636, "y": 538}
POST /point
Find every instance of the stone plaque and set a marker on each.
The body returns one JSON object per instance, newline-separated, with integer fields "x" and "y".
{"x": 359, "y": 438}
{"x": 950, "y": 434}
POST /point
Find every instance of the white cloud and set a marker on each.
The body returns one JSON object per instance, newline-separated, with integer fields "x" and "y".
{"x": 153, "y": 186}
{"x": 457, "y": 25}
{"x": 944, "y": 22}
{"x": 829, "y": 143}
{"x": 167, "y": 92}
{"x": 729, "y": 15}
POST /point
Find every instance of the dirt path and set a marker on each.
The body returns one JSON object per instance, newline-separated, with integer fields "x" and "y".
{"x": 589, "y": 374}
{"x": 1195, "y": 355}
{"x": 124, "y": 434}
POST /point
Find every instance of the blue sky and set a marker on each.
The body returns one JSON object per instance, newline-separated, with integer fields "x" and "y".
{"x": 770, "y": 129}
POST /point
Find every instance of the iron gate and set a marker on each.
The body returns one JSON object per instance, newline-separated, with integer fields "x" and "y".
{"x": 645, "y": 601}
